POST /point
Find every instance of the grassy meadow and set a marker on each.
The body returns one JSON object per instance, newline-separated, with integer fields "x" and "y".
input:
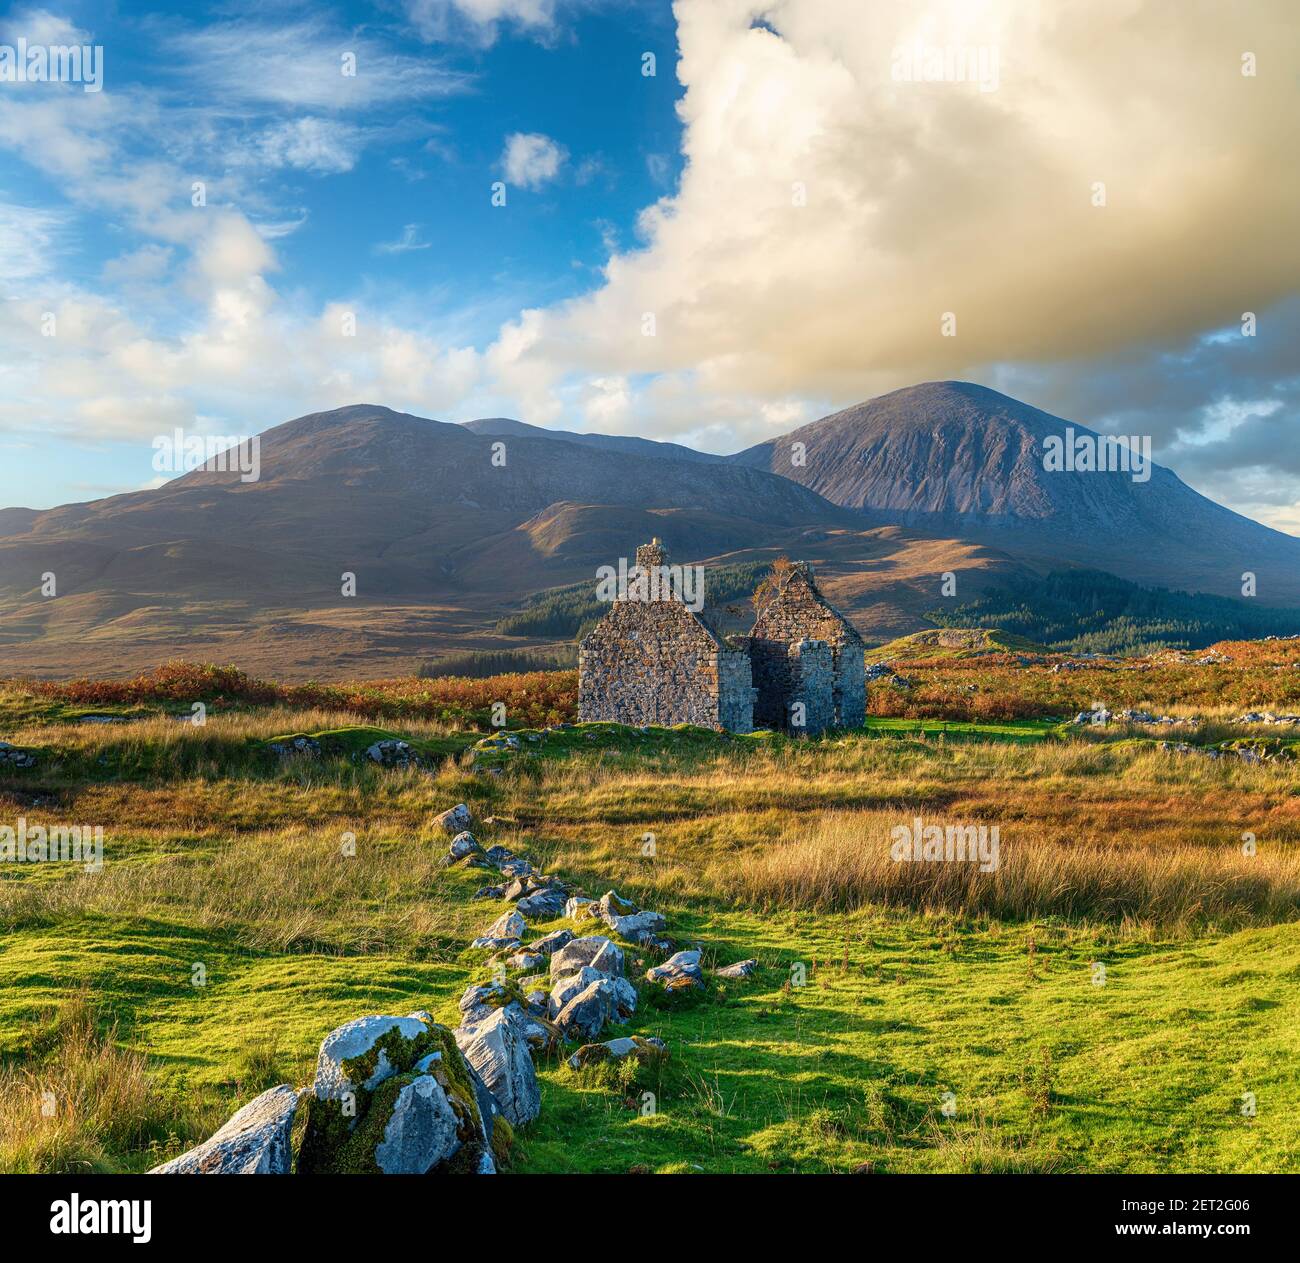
{"x": 1119, "y": 995}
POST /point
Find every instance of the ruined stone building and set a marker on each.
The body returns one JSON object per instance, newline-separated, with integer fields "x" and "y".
{"x": 803, "y": 651}
{"x": 651, "y": 660}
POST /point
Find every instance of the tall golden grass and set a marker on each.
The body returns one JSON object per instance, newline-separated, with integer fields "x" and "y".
{"x": 80, "y": 1098}
{"x": 843, "y": 861}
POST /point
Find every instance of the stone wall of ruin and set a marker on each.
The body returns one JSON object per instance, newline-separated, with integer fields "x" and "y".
{"x": 812, "y": 673}
{"x": 736, "y": 691}
{"x": 850, "y": 687}
{"x": 799, "y": 612}
{"x": 652, "y": 662}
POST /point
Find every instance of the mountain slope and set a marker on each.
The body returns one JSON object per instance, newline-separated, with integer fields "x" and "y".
{"x": 444, "y": 541}
{"x": 496, "y": 427}
{"x": 441, "y": 538}
{"x": 959, "y": 459}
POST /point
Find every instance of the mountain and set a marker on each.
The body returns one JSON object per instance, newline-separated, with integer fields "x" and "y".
{"x": 444, "y": 531}
{"x": 498, "y": 426}
{"x": 450, "y": 529}
{"x": 954, "y": 458}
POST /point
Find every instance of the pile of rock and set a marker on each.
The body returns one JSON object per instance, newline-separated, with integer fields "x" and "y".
{"x": 454, "y": 820}
{"x": 391, "y": 1096}
{"x": 296, "y": 747}
{"x": 392, "y": 752}
{"x": 536, "y": 896}
{"x": 1266, "y": 717}
{"x": 16, "y": 756}
{"x": 1244, "y": 753}
{"x": 405, "y": 1095}
{"x": 623, "y": 917}
{"x": 883, "y": 672}
{"x": 1101, "y": 716}
{"x": 564, "y": 986}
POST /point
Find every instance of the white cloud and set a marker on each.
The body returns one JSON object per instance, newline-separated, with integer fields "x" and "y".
{"x": 531, "y": 160}
{"x": 226, "y": 337}
{"x": 828, "y": 215}
{"x": 409, "y": 240}
{"x": 304, "y": 65}
{"x": 40, "y": 26}
{"x": 311, "y": 144}
{"x": 29, "y": 237}
{"x": 147, "y": 264}
{"x": 479, "y": 20}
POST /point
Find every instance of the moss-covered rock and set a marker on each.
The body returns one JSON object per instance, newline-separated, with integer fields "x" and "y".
{"x": 394, "y": 1095}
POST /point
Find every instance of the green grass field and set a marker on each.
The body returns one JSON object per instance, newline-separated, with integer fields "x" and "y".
{"x": 897, "y": 1023}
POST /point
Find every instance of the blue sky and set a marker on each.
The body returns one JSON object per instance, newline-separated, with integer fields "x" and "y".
{"x": 385, "y": 199}
{"x": 767, "y": 228}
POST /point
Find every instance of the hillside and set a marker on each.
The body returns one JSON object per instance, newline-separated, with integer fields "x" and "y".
{"x": 1087, "y": 611}
{"x": 449, "y": 534}
{"x": 443, "y": 543}
{"x": 878, "y": 986}
{"x": 497, "y": 427}
{"x": 958, "y": 459}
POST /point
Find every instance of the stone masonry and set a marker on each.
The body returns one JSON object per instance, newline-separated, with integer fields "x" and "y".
{"x": 798, "y": 612}
{"x": 654, "y": 661}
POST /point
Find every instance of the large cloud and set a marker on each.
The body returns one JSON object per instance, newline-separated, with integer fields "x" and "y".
{"x": 931, "y": 197}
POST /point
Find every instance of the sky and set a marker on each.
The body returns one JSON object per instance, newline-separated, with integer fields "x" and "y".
{"x": 709, "y": 222}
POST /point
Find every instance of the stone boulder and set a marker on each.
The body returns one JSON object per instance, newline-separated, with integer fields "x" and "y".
{"x": 255, "y": 1141}
{"x": 545, "y": 905}
{"x": 508, "y": 925}
{"x": 585, "y": 1015}
{"x": 741, "y": 969}
{"x": 611, "y": 904}
{"x": 680, "y": 971}
{"x": 623, "y": 997}
{"x": 478, "y": 1000}
{"x": 579, "y": 909}
{"x": 454, "y": 820}
{"x": 361, "y": 1054}
{"x": 419, "y": 1126}
{"x": 595, "y": 950}
{"x": 646, "y": 1050}
{"x": 571, "y": 985}
{"x": 464, "y": 844}
{"x": 395, "y": 1095}
{"x": 526, "y": 962}
{"x": 551, "y": 943}
{"x": 639, "y": 927}
{"x": 498, "y": 1050}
